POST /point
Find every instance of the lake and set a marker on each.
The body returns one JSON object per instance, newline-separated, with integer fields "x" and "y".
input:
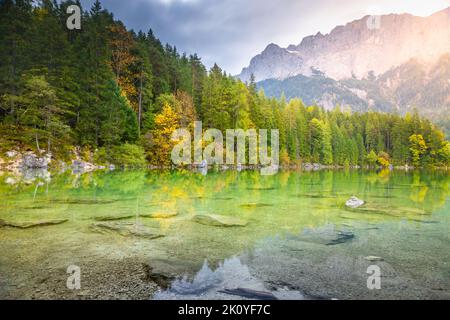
{"x": 225, "y": 235}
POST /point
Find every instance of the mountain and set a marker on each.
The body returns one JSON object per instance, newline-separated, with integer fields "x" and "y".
{"x": 371, "y": 44}
{"x": 391, "y": 63}
{"x": 408, "y": 87}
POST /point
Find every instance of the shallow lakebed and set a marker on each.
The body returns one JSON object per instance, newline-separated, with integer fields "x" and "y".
{"x": 225, "y": 235}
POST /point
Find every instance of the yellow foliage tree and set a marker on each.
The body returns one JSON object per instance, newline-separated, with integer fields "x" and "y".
{"x": 166, "y": 123}
{"x": 384, "y": 159}
{"x": 417, "y": 147}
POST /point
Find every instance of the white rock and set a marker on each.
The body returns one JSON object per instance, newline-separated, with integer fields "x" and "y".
{"x": 10, "y": 181}
{"x": 354, "y": 202}
{"x": 11, "y": 154}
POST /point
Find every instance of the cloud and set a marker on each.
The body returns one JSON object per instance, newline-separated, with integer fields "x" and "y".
{"x": 230, "y": 32}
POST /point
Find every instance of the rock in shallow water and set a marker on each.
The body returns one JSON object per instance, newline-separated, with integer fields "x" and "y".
{"x": 29, "y": 224}
{"x": 154, "y": 215}
{"x": 373, "y": 258}
{"x": 354, "y": 203}
{"x": 255, "y": 205}
{"x": 218, "y": 220}
{"x": 341, "y": 238}
{"x": 126, "y": 229}
{"x": 159, "y": 215}
{"x": 84, "y": 201}
{"x": 113, "y": 218}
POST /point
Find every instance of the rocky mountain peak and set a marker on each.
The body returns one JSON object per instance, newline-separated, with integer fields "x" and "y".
{"x": 370, "y": 44}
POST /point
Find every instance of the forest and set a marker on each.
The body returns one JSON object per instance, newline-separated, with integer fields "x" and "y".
{"x": 118, "y": 95}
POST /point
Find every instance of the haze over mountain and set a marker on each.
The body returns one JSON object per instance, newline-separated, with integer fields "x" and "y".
{"x": 373, "y": 43}
{"x": 392, "y": 63}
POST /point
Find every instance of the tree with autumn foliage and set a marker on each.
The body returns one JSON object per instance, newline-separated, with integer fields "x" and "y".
{"x": 418, "y": 148}
{"x": 104, "y": 86}
{"x": 121, "y": 44}
{"x": 159, "y": 140}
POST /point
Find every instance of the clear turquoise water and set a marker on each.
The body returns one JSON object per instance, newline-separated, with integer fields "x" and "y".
{"x": 299, "y": 240}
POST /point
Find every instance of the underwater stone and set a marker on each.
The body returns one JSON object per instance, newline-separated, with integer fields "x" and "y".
{"x": 342, "y": 238}
{"x": 373, "y": 258}
{"x": 255, "y": 205}
{"x": 219, "y": 221}
{"x": 159, "y": 215}
{"x": 26, "y": 225}
{"x": 125, "y": 229}
{"x": 112, "y": 218}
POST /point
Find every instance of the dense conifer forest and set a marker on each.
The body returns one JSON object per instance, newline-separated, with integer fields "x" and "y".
{"x": 118, "y": 94}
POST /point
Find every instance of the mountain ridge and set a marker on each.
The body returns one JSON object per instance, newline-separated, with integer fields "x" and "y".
{"x": 370, "y": 44}
{"x": 406, "y": 88}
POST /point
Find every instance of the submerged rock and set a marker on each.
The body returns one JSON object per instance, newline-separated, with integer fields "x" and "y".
{"x": 354, "y": 202}
{"x": 84, "y": 201}
{"x": 154, "y": 215}
{"x": 425, "y": 221}
{"x": 222, "y": 198}
{"x": 125, "y": 229}
{"x": 373, "y": 258}
{"x": 414, "y": 211}
{"x": 388, "y": 210}
{"x": 162, "y": 280}
{"x": 316, "y": 195}
{"x": 113, "y": 218}
{"x": 218, "y": 220}
{"x": 159, "y": 215}
{"x": 29, "y": 224}
{"x": 256, "y": 205}
{"x": 342, "y": 238}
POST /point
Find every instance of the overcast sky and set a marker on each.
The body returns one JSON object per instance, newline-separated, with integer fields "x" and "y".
{"x": 231, "y": 32}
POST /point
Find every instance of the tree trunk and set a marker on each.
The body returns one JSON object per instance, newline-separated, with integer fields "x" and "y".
{"x": 140, "y": 106}
{"x": 37, "y": 142}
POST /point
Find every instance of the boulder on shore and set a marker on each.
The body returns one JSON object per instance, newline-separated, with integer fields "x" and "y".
{"x": 31, "y": 161}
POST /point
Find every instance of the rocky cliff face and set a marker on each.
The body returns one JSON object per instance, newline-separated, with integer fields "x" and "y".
{"x": 371, "y": 44}
{"x": 408, "y": 87}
